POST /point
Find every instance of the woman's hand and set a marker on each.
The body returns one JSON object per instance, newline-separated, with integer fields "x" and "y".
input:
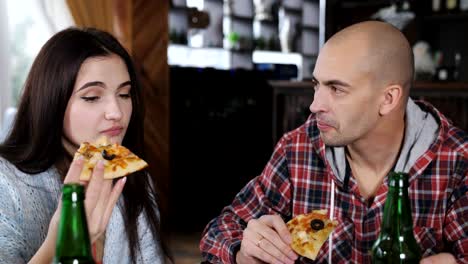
{"x": 100, "y": 199}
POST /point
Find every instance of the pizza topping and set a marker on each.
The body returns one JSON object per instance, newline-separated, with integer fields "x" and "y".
{"x": 317, "y": 224}
{"x": 309, "y": 232}
{"x": 106, "y": 156}
{"x": 118, "y": 160}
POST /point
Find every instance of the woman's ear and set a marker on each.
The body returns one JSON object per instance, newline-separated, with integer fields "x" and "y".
{"x": 393, "y": 94}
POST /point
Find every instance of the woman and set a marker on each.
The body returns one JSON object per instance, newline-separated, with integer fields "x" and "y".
{"x": 81, "y": 86}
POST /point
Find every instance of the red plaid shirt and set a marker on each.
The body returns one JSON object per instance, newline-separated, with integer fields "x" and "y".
{"x": 297, "y": 179}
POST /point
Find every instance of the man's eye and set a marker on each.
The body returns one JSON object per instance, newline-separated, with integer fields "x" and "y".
{"x": 90, "y": 98}
{"x": 335, "y": 90}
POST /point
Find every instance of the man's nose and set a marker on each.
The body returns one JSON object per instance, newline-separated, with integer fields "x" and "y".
{"x": 319, "y": 103}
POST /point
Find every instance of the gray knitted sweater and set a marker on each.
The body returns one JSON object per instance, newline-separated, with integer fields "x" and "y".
{"x": 27, "y": 203}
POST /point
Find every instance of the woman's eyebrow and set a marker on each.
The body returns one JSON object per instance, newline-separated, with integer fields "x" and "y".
{"x": 124, "y": 84}
{"x": 88, "y": 84}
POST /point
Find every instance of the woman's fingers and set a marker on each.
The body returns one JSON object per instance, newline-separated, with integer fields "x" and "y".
{"x": 101, "y": 197}
{"x": 114, "y": 197}
{"x": 94, "y": 187}
{"x": 73, "y": 174}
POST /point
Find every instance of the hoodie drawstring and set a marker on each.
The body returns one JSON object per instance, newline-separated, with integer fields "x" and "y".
{"x": 332, "y": 206}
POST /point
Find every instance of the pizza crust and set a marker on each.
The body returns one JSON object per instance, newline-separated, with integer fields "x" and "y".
{"x": 307, "y": 241}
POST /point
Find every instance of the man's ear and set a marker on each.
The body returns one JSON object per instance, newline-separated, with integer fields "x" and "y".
{"x": 393, "y": 94}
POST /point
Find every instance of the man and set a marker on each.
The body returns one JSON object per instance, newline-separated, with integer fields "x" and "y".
{"x": 363, "y": 125}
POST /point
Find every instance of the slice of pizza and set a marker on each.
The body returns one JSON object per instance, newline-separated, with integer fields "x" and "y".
{"x": 118, "y": 160}
{"x": 309, "y": 232}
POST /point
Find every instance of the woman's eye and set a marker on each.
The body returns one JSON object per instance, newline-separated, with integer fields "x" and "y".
{"x": 125, "y": 96}
{"x": 90, "y": 98}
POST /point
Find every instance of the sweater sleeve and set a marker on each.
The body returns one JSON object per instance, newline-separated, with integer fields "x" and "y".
{"x": 12, "y": 240}
{"x": 269, "y": 193}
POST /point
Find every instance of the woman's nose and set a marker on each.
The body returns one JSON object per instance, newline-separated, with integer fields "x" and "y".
{"x": 113, "y": 111}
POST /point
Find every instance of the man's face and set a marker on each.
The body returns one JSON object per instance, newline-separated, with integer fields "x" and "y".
{"x": 346, "y": 98}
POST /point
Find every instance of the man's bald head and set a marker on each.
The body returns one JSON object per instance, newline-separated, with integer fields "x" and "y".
{"x": 380, "y": 49}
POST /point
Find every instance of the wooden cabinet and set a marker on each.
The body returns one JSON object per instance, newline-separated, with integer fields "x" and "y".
{"x": 291, "y": 101}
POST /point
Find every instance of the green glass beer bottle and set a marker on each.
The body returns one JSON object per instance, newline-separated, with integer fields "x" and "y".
{"x": 73, "y": 243}
{"x": 396, "y": 242}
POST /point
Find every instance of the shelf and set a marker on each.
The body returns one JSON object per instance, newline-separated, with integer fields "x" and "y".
{"x": 418, "y": 85}
{"x": 179, "y": 8}
{"x": 440, "y": 85}
{"x": 295, "y": 10}
{"x": 263, "y": 56}
{"x": 239, "y": 18}
{"x": 272, "y": 22}
{"x": 360, "y": 4}
{"x": 447, "y": 17}
{"x": 242, "y": 51}
{"x": 218, "y": 58}
{"x": 293, "y": 85}
{"x": 307, "y": 27}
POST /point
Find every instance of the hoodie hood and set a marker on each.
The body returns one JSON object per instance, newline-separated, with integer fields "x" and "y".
{"x": 421, "y": 130}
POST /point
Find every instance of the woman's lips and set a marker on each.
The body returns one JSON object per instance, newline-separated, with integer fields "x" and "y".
{"x": 113, "y": 132}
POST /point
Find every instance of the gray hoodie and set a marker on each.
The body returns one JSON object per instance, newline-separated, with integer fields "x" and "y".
{"x": 421, "y": 130}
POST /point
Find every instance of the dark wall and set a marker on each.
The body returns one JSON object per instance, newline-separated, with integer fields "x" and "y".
{"x": 220, "y": 139}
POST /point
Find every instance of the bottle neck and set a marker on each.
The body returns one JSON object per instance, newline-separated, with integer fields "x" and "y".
{"x": 397, "y": 210}
{"x": 73, "y": 235}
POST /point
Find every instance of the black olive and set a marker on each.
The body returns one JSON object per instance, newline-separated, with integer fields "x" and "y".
{"x": 317, "y": 224}
{"x": 107, "y": 156}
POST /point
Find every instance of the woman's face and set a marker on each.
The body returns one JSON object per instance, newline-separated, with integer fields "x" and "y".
{"x": 100, "y": 103}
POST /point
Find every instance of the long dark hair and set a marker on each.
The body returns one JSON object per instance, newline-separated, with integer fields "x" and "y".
{"x": 34, "y": 143}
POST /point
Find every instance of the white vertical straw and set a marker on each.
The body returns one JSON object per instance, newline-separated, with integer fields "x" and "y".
{"x": 332, "y": 207}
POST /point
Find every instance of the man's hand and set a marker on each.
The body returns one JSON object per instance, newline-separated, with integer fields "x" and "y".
{"x": 442, "y": 258}
{"x": 266, "y": 239}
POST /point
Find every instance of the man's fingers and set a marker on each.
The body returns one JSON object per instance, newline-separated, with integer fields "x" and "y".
{"x": 277, "y": 223}
{"x": 276, "y": 232}
{"x": 273, "y": 250}
{"x": 253, "y": 250}
{"x": 73, "y": 174}
{"x": 260, "y": 231}
{"x": 114, "y": 197}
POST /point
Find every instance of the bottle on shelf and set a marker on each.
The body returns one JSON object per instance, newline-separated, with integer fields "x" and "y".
{"x": 396, "y": 242}
{"x": 437, "y": 6}
{"x": 73, "y": 243}
{"x": 463, "y": 5}
{"x": 452, "y": 6}
{"x": 456, "y": 68}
